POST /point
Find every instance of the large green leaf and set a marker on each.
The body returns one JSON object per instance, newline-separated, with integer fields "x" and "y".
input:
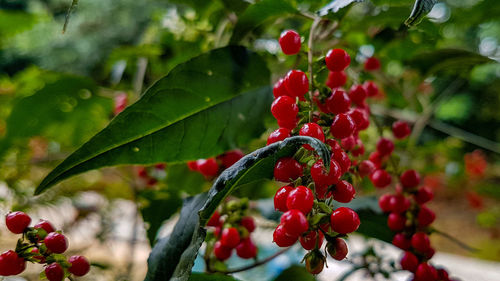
{"x": 198, "y": 110}
{"x": 420, "y": 9}
{"x": 172, "y": 258}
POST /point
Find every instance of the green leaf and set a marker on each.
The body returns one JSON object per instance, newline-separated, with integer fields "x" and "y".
{"x": 259, "y": 13}
{"x": 336, "y": 9}
{"x": 210, "y": 277}
{"x": 180, "y": 178}
{"x": 172, "y": 259}
{"x": 295, "y": 273}
{"x": 12, "y": 22}
{"x": 198, "y": 110}
{"x": 420, "y": 9}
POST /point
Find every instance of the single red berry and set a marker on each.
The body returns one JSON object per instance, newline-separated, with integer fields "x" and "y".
{"x": 396, "y": 222}
{"x": 400, "y": 129}
{"x": 287, "y": 124}
{"x": 278, "y": 135}
{"x": 312, "y": 130}
{"x": 315, "y": 263}
{"x": 443, "y": 274}
{"x": 296, "y": 83}
{"x": 54, "y": 272}
{"x": 230, "y": 237}
{"x": 338, "y": 249}
{"x": 214, "y": 219}
{"x": 248, "y": 223}
{"x": 359, "y": 149}
{"x": 281, "y": 238}
{"x": 424, "y": 195}
{"x": 246, "y": 249}
{"x": 429, "y": 253}
{"x": 160, "y": 166}
{"x": 151, "y": 181}
{"x": 280, "y": 198}
{"x": 410, "y": 179}
{"x": 321, "y": 105}
{"x": 420, "y": 242}
{"x": 222, "y": 252}
{"x": 279, "y": 88}
{"x": 381, "y": 178}
{"x": 142, "y": 172}
{"x": 344, "y": 192}
{"x": 336, "y": 79}
{"x": 399, "y": 203}
{"x": 385, "y": 146}
{"x": 360, "y": 118}
{"x": 45, "y": 225}
{"x": 342, "y": 126}
{"x": 409, "y": 262}
{"x": 342, "y": 159}
{"x": 287, "y": 169}
{"x": 323, "y": 178}
{"x": 371, "y": 88}
{"x": 208, "y": 167}
{"x": 284, "y": 108}
{"x": 312, "y": 239}
{"x": 79, "y": 265}
{"x": 290, "y": 42}
{"x": 192, "y": 165}
{"x": 357, "y": 94}
{"x": 300, "y": 198}
{"x": 11, "y": 263}
{"x": 425, "y": 216}
{"x": 348, "y": 143}
{"x": 372, "y": 64}
{"x": 385, "y": 203}
{"x": 338, "y": 102}
{"x": 426, "y": 272}
{"x": 337, "y": 60}
{"x": 120, "y": 103}
{"x": 294, "y": 222}
{"x": 366, "y": 168}
{"x": 56, "y": 242}
{"x": 17, "y": 222}
{"x": 344, "y": 220}
{"x": 228, "y": 158}
{"x": 401, "y": 241}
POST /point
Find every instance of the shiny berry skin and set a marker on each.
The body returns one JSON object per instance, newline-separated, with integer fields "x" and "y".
{"x": 336, "y": 79}
{"x": 246, "y": 249}
{"x": 296, "y": 83}
{"x": 399, "y": 203}
{"x": 287, "y": 124}
{"x": 337, "y": 60}
{"x": 192, "y": 165}
{"x": 54, "y": 272}
{"x": 385, "y": 203}
{"x": 312, "y": 130}
{"x": 372, "y": 64}
{"x": 400, "y": 129}
{"x": 278, "y": 135}
{"x": 56, "y": 242}
{"x": 79, "y": 265}
{"x": 342, "y": 159}
{"x": 287, "y": 169}
{"x": 342, "y": 126}
{"x": 17, "y": 222}
{"x": 381, "y": 178}
{"x": 338, "y": 249}
{"x": 230, "y": 157}
{"x": 385, "y": 146}
{"x": 281, "y": 238}
{"x": 360, "y": 118}
{"x": 321, "y": 177}
{"x": 208, "y": 167}
{"x": 309, "y": 240}
{"x": 11, "y": 263}
{"x": 284, "y": 108}
{"x": 396, "y": 222}
{"x": 279, "y": 88}
{"x": 280, "y": 198}
{"x": 429, "y": 253}
{"x": 366, "y": 168}
{"x": 338, "y": 102}
{"x": 348, "y": 143}
{"x": 420, "y": 242}
{"x": 344, "y": 220}
{"x": 425, "y": 216}
{"x": 45, "y": 225}
{"x": 300, "y": 198}
{"x": 290, "y": 42}
{"x": 377, "y": 159}
{"x": 371, "y": 88}
{"x": 401, "y": 241}
{"x": 344, "y": 192}
{"x": 222, "y": 252}
{"x": 214, "y": 219}
{"x": 294, "y": 222}
{"x": 321, "y": 191}
{"x": 426, "y": 272}
{"x": 248, "y": 223}
{"x": 357, "y": 94}
{"x": 409, "y": 262}
{"x": 410, "y": 179}
{"x": 230, "y": 237}
{"x": 423, "y": 195}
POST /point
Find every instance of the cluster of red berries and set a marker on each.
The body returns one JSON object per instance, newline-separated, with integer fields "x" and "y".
{"x": 150, "y": 175}
{"x": 212, "y": 167}
{"x": 231, "y": 230}
{"x": 40, "y": 244}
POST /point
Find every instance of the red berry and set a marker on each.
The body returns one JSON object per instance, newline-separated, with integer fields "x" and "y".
{"x": 300, "y": 198}
{"x": 336, "y": 79}
{"x": 11, "y": 263}
{"x": 54, "y": 272}
{"x": 334, "y": 145}
{"x": 342, "y": 126}
{"x": 120, "y": 103}
{"x": 79, "y": 265}
{"x": 17, "y": 222}
{"x": 151, "y": 181}
{"x": 400, "y": 129}
{"x": 424, "y": 195}
{"x": 278, "y": 135}
{"x": 281, "y": 238}
{"x": 344, "y": 220}
{"x": 230, "y": 237}
{"x": 371, "y": 88}
{"x": 222, "y": 252}
{"x": 284, "y": 108}
{"x": 37, "y": 257}
{"x": 426, "y": 272}
{"x": 401, "y": 241}
{"x": 312, "y": 130}
{"x": 229, "y": 158}
{"x": 425, "y": 216}
{"x": 338, "y": 249}
{"x": 377, "y": 158}
{"x": 420, "y": 242}
{"x": 309, "y": 240}
{"x": 409, "y": 262}
{"x": 248, "y": 223}
{"x": 56, "y": 242}
{"x": 279, "y": 88}
{"x": 385, "y": 146}
{"x": 396, "y": 222}
{"x": 360, "y": 118}
{"x": 142, "y": 172}
{"x": 290, "y": 42}
{"x": 280, "y": 198}
{"x": 344, "y": 192}
{"x": 381, "y": 178}
{"x": 399, "y": 203}
{"x": 410, "y": 179}
{"x": 314, "y": 263}
{"x": 45, "y": 225}
{"x": 429, "y": 253}
{"x": 214, "y": 219}
{"x": 246, "y": 249}
{"x": 160, "y": 166}
{"x": 357, "y": 94}
{"x": 337, "y": 60}
{"x": 287, "y": 124}
{"x": 366, "y": 167}
{"x": 208, "y": 167}
{"x": 321, "y": 177}
{"x": 372, "y": 64}
{"x": 443, "y": 274}
{"x": 296, "y": 83}
{"x": 385, "y": 202}
{"x": 287, "y": 169}
{"x": 338, "y": 102}
{"x": 348, "y": 143}
{"x": 192, "y": 165}
{"x": 294, "y": 222}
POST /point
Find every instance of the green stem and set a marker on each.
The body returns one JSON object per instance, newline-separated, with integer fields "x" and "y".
{"x": 310, "y": 63}
{"x": 74, "y": 3}
{"x": 455, "y": 240}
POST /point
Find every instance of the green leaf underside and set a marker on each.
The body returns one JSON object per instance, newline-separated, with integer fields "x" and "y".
{"x": 196, "y": 111}
{"x": 189, "y": 233}
{"x": 420, "y": 9}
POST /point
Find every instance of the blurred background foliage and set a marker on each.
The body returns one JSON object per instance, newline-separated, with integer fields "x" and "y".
{"x": 57, "y": 90}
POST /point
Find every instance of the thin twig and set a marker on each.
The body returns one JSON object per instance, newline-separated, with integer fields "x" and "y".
{"x": 456, "y": 241}
{"x": 74, "y": 3}
{"x": 310, "y": 62}
{"x": 257, "y": 263}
